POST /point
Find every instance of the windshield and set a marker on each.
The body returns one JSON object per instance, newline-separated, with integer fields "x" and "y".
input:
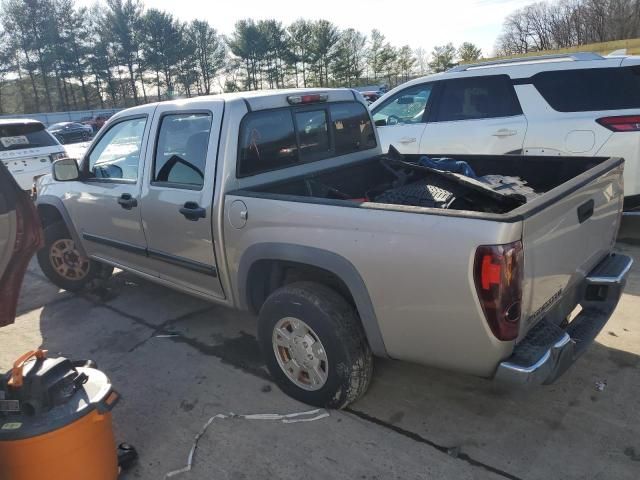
{"x": 21, "y": 136}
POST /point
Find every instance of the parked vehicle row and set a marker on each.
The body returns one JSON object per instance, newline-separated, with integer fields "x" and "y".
{"x": 576, "y": 104}
{"x": 283, "y": 203}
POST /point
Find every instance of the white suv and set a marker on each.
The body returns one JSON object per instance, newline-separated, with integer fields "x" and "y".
{"x": 27, "y": 150}
{"x": 573, "y": 104}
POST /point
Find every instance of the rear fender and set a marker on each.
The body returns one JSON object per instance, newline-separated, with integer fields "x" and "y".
{"x": 323, "y": 259}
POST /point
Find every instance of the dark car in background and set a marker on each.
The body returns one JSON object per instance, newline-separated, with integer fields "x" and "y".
{"x": 71, "y": 132}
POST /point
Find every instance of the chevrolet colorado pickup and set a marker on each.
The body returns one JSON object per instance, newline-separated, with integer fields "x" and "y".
{"x": 282, "y": 203}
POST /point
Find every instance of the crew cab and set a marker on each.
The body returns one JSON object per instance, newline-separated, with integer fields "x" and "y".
{"x": 283, "y": 203}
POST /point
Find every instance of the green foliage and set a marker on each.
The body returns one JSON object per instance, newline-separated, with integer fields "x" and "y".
{"x": 442, "y": 57}
{"x": 468, "y": 52}
{"x": 55, "y": 55}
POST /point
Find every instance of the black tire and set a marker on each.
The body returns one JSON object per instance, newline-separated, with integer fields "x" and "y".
{"x": 336, "y": 324}
{"x": 54, "y": 233}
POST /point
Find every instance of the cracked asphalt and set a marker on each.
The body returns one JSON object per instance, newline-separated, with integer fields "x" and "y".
{"x": 177, "y": 361}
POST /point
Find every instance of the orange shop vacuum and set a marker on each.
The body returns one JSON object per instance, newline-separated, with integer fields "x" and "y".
{"x": 55, "y": 421}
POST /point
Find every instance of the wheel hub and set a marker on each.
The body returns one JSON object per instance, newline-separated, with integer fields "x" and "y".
{"x": 300, "y": 353}
{"x": 67, "y": 260}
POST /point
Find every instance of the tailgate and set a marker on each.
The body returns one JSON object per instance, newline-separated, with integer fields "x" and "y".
{"x": 566, "y": 233}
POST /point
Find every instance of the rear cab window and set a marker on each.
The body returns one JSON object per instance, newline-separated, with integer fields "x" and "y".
{"x": 275, "y": 139}
{"x": 20, "y": 136}
{"x": 476, "y": 98}
{"x": 590, "y": 89}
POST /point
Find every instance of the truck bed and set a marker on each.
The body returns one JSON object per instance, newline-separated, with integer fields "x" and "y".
{"x": 373, "y": 183}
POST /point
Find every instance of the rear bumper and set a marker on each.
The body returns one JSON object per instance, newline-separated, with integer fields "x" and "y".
{"x": 549, "y": 350}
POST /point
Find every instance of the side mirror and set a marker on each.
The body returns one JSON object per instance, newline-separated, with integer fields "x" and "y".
{"x": 381, "y": 123}
{"x": 65, "y": 170}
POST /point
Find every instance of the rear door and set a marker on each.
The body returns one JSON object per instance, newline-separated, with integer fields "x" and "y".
{"x": 400, "y": 120}
{"x": 475, "y": 115}
{"x": 177, "y": 198}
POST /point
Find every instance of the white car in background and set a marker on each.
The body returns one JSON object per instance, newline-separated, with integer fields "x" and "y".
{"x": 27, "y": 150}
{"x": 571, "y": 104}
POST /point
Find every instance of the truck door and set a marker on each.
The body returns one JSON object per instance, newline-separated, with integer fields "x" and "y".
{"x": 104, "y": 205}
{"x": 475, "y": 115}
{"x": 177, "y": 196}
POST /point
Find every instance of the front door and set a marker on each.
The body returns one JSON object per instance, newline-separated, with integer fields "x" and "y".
{"x": 177, "y": 201}
{"x": 400, "y": 120}
{"x": 105, "y": 204}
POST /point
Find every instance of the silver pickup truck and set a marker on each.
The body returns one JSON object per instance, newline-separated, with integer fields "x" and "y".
{"x": 283, "y": 204}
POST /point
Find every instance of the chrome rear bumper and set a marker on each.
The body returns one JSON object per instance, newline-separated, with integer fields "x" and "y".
{"x": 548, "y": 350}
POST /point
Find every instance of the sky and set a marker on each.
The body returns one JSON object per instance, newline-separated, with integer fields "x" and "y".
{"x": 418, "y": 23}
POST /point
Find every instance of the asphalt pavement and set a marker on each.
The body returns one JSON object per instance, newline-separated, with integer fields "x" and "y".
{"x": 178, "y": 361}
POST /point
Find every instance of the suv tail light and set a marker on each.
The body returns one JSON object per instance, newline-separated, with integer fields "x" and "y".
{"x": 625, "y": 123}
{"x": 498, "y": 271}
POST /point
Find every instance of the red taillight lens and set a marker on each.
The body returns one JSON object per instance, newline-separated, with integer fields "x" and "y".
{"x": 625, "y": 123}
{"x": 498, "y": 273}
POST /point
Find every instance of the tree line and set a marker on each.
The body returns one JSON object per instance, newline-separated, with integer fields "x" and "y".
{"x": 568, "y": 23}
{"x": 57, "y": 56}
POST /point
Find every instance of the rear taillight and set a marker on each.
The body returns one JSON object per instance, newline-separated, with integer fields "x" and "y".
{"x": 498, "y": 273}
{"x": 624, "y": 123}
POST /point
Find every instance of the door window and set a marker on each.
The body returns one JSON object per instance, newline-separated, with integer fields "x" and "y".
{"x": 407, "y": 106}
{"x": 477, "y": 98}
{"x": 117, "y": 153}
{"x": 181, "y": 150}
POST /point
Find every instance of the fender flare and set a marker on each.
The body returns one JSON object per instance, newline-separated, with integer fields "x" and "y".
{"x": 57, "y": 203}
{"x": 332, "y": 262}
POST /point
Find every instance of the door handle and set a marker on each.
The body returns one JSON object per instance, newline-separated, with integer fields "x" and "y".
{"x": 505, "y": 132}
{"x": 127, "y": 202}
{"x": 192, "y": 211}
{"x": 407, "y": 140}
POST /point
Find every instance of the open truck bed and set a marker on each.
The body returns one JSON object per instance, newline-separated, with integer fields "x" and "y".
{"x": 431, "y": 314}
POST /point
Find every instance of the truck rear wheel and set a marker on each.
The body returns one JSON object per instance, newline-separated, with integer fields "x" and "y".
{"x": 64, "y": 265}
{"x": 314, "y": 345}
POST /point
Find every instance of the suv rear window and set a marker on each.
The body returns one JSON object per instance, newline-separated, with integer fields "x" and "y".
{"x": 275, "y": 139}
{"x": 587, "y": 90}
{"x": 24, "y": 135}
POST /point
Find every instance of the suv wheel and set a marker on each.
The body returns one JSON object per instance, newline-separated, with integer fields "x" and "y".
{"x": 314, "y": 345}
{"x": 64, "y": 265}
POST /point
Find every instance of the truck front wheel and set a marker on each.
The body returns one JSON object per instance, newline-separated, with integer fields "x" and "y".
{"x": 62, "y": 262}
{"x": 314, "y": 345}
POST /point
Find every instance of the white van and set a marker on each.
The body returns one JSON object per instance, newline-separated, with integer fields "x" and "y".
{"x": 27, "y": 150}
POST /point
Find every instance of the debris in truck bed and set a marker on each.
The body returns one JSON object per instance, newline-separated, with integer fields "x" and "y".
{"x": 512, "y": 185}
{"x": 448, "y": 165}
